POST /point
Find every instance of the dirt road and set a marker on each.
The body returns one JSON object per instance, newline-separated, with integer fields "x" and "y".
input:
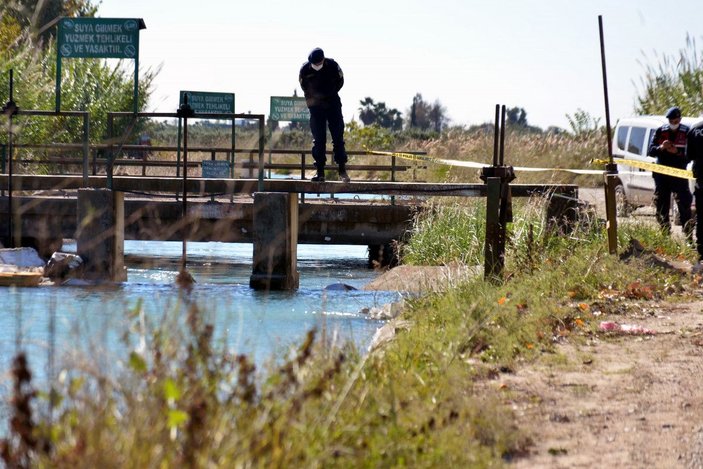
{"x": 627, "y": 401}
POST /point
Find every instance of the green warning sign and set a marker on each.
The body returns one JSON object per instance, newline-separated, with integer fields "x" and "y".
{"x": 288, "y": 108}
{"x": 116, "y": 38}
{"x": 209, "y": 103}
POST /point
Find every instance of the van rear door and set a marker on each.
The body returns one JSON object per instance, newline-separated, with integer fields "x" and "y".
{"x": 641, "y": 181}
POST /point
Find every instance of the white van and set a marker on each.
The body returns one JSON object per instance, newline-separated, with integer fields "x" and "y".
{"x": 631, "y": 141}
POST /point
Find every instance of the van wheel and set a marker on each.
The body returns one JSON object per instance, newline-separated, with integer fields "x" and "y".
{"x": 623, "y": 208}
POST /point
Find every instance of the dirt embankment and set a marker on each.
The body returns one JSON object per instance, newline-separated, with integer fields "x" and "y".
{"x": 633, "y": 401}
{"x": 422, "y": 279}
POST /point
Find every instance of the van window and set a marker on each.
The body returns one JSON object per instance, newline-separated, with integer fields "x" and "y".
{"x": 622, "y": 136}
{"x": 636, "y": 142}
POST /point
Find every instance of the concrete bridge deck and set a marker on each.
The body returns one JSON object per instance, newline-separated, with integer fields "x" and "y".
{"x": 201, "y": 186}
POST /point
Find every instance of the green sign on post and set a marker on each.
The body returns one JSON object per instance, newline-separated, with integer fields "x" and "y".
{"x": 209, "y": 103}
{"x": 206, "y": 102}
{"x": 102, "y": 38}
{"x": 288, "y": 108}
{"x": 217, "y": 169}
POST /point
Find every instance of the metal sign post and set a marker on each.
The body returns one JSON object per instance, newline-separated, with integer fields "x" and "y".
{"x": 101, "y": 38}
{"x": 611, "y": 168}
{"x": 286, "y": 109}
{"x": 290, "y": 109}
{"x": 207, "y": 102}
{"x": 185, "y": 111}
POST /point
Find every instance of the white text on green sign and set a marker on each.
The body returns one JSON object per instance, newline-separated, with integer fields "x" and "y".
{"x": 99, "y": 38}
{"x": 217, "y": 169}
{"x": 287, "y": 108}
{"x": 209, "y": 103}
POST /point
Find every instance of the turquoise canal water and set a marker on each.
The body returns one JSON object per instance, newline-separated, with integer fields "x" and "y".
{"x": 88, "y": 323}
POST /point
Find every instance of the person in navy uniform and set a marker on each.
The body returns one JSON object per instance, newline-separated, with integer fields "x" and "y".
{"x": 694, "y": 152}
{"x": 321, "y": 78}
{"x": 668, "y": 146}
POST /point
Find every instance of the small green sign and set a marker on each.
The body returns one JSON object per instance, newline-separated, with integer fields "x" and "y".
{"x": 288, "y": 108}
{"x": 209, "y": 103}
{"x": 99, "y": 37}
{"x": 215, "y": 169}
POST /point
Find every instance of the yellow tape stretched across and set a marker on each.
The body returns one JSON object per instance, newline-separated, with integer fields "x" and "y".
{"x": 656, "y": 168}
{"x": 653, "y": 167}
{"x": 472, "y": 164}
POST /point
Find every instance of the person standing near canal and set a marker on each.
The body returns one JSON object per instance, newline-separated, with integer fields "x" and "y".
{"x": 321, "y": 78}
{"x": 694, "y": 152}
{"x": 668, "y": 146}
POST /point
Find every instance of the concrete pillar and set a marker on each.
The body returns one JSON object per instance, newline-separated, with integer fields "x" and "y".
{"x": 275, "y": 242}
{"x": 100, "y": 234}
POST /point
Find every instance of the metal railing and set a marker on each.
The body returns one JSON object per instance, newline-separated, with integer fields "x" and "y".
{"x": 105, "y": 156}
{"x": 96, "y": 162}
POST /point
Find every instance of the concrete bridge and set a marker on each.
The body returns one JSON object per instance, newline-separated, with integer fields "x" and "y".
{"x": 42, "y": 218}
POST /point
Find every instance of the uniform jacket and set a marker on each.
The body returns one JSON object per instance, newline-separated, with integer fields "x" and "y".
{"x": 678, "y": 138}
{"x": 694, "y": 149}
{"x": 321, "y": 86}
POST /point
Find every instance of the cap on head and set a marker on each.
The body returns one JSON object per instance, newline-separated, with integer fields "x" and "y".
{"x": 673, "y": 113}
{"x": 316, "y": 56}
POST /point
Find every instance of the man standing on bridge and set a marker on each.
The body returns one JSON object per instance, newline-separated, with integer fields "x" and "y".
{"x": 668, "y": 146}
{"x": 694, "y": 152}
{"x": 321, "y": 79}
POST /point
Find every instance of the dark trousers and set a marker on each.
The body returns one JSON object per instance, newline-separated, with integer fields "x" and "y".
{"x": 699, "y": 218}
{"x": 321, "y": 118}
{"x": 664, "y": 187}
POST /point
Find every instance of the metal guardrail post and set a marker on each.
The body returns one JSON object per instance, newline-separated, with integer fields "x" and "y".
{"x": 110, "y": 156}
{"x": 392, "y": 176}
{"x": 302, "y": 174}
{"x": 261, "y": 153}
{"x": 86, "y": 148}
{"x": 10, "y": 109}
{"x": 178, "y": 152}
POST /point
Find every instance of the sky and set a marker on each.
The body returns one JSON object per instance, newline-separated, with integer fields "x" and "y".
{"x": 541, "y": 55}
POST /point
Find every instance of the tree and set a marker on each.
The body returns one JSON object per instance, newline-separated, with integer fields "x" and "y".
{"x": 438, "y": 116}
{"x": 372, "y": 113}
{"x": 675, "y": 80}
{"x": 36, "y": 18}
{"x": 582, "y": 124}
{"x": 426, "y": 116}
{"x": 516, "y": 116}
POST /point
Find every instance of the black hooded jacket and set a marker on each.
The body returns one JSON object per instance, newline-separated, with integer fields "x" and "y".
{"x": 321, "y": 86}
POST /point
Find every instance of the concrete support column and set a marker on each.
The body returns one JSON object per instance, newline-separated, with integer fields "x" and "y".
{"x": 275, "y": 242}
{"x": 100, "y": 234}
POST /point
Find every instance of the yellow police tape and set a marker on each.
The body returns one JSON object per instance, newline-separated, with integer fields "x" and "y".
{"x": 653, "y": 167}
{"x": 472, "y": 164}
{"x": 668, "y": 170}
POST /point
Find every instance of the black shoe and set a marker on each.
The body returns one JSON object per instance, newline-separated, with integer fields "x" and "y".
{"x": 343, "y": 176}
{"x": 318, "y": 178}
